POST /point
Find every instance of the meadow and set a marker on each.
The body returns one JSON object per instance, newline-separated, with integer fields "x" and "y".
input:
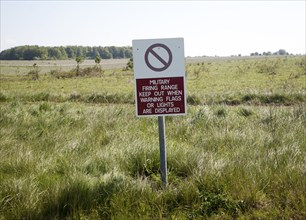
{"x": 71, "y": 146}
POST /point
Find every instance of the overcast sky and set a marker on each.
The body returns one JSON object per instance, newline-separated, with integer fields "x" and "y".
{"x": 210, "y": 28}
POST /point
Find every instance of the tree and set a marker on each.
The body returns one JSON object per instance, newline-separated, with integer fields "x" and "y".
{"x": 60, "y": 53}
{"x": 79, "y": 52}
{"x": 98, "y": 61}
{"x": 79, "y": 60}
{"x": 33, "y": 52}
{"x": 128, "y": 53}
{"x": 105, "y": 54}
{"x": 64, "y": 55}
{"x": 130, "y": 64}
{"x": 54, "y": 53}
{"x": 281, "y": 52}
{"x": 70, "y": 52}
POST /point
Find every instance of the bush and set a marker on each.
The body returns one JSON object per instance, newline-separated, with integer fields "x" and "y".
{"x": 34, "y": 74}
{"x": 129, "y": 65}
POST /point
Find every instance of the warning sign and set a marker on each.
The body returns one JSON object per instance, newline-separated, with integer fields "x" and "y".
{"x": 159, "y": 96}
{"x": 159, "y": 70}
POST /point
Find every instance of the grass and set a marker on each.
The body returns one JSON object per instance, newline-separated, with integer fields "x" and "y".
{"x": 79, "y": 152}
{"x": 214, "y": 82}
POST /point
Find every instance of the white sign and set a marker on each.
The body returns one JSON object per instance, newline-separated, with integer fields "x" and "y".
{"x": 159, "y": 70}
{"x": 159, "y": 58}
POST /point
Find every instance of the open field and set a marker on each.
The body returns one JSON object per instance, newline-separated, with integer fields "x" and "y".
{"x": 72, "y": 148}
{"x": 278, "y": 80}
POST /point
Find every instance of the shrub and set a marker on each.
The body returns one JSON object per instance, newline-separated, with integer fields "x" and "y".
{"x": 34, "y": 74}
{"x": 129, "y": 65}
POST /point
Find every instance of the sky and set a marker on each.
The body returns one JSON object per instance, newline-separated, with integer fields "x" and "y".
{"x": 209, "y": 28}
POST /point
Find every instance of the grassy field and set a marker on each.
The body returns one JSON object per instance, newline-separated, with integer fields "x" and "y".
{"x": 71, "y": 147}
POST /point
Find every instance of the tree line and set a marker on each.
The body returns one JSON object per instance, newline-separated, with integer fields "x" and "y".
{"x": 63, "y": 53}
{"x": 269, "y": 53}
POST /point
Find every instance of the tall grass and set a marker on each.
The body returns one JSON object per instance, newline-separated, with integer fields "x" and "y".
{"x": 72, "y": 148}
{"x": 75, "y": 160}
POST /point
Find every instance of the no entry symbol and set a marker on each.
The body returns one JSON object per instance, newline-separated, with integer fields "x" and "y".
{"x": 156, "y": 50}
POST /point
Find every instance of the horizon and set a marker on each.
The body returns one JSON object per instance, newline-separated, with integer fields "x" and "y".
{"x": 259, "y": 53}
{"x": 221, "y": 28}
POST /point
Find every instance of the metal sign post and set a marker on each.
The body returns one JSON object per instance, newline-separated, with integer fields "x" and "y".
{"x": 159, "y": 73}
{"x": 162, "y": 149}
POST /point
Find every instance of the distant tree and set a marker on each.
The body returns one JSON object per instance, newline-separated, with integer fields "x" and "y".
{"x": 98, "y": 61}
{"x": 95, "y": 52}
{"x": 281, "y": 52}
{"x": 54, "y": 53}
{"x": 114, "y": 51}
{"x": 79, "y": 60}
{"x": 79, "y": 52}
{"x": 70, "y": 52}
{"x": 33, "y": 53}
{"x": 60, "y": 53}
{"x": 63, "y": 54}
{"x": 128, "y": 53}
{"x": 267, "y": 53}
{"x": 105, "y": 54}
{"x": 130, "y": 64}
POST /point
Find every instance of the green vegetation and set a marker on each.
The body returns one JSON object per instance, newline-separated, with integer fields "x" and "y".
{"x": 63, "y": 53}
{"x": 72, "y": 148}
{"x": 281, "y": 52}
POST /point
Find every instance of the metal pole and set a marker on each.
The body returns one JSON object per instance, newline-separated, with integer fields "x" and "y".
{"x": 162, "y": 149}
